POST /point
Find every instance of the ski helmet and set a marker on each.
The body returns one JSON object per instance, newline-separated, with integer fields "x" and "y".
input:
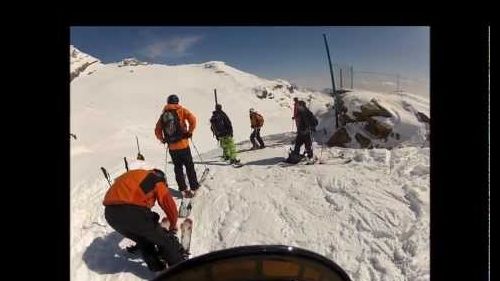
{"x": 173, "y": 99}
{"x": 252, "y": 110}
{"x": 218, "y": 107}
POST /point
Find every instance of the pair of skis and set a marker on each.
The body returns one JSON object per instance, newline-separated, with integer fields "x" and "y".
{"x": 185, "y": 211}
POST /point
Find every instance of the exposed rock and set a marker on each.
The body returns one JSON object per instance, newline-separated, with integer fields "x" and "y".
{"x": 345, "y": 118}
{"x": 79, "y": 70}
{"x": 422, "y": 117}
{"x": 363, "y": 141}
{"x": 131, "y": 62}
{"x": 373, "y": 108}
{"x": 377, "y": 129}
{"x": 339, "y": 138}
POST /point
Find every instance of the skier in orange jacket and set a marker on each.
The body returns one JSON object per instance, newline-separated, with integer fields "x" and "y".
{"x": 128, "y": 204}
{"x": 171, "y": 128}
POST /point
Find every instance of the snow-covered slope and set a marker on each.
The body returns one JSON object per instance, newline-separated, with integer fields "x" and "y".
{"x": 370, "y": 215}
{"x": 118, "y": 102}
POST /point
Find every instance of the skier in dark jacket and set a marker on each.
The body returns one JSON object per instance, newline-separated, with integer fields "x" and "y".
{"x": 306, "y": 124}
{"x": 223, "y": 131}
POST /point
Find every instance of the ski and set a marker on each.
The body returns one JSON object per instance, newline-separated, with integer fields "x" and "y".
{"x": 186, "y": 229}
{"x": 204, "y": 176}
{"x": 237, "y": 165}
{"x": 185, "y": 208}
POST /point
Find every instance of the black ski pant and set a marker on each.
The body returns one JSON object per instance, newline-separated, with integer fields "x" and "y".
{"x": 256, "y": 135}
{"x": 181, "y": 158}
{"x": 306, "y": 140}
{"x": 141, "y": 225}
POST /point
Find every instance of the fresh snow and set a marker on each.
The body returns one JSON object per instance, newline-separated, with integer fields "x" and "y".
{"x": 371, "y": 215}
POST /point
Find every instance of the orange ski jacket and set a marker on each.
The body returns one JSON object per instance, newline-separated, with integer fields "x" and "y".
{"x": 142, "y": 188}
{"x": 184, "y": 115}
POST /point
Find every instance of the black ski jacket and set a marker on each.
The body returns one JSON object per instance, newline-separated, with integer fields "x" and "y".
{"x": 226, "y": 129}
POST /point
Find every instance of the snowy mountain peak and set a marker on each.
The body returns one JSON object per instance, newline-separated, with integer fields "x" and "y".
{"x": 80, "y": 62}
{"x": 131, "y": 62}
{"x": 214, "y": 64}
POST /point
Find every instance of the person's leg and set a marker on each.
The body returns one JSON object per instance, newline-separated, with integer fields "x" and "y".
{"x": 169, "y": 247}
{"x": 177, "y": 158}
{"x": 299, "y": 140}
{"x": 231, "y": 149}
{"x": 308, "y": 145}
{"x": 187, "y": 159}
{"x": 259, "y": 139}
{"x": 252, "y": 138}
{"x": 225, "y": 148}
{"x": 133, "y": 222}
{"x": 150, "y": 256}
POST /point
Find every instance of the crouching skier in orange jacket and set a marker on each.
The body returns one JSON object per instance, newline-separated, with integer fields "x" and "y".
{"x": 128, "y": 204}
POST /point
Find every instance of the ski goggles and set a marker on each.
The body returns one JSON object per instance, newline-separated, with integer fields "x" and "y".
{"x": 257, "y": 263}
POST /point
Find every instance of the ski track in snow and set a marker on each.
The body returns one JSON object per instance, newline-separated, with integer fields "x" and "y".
{"x": 370, "y": 219}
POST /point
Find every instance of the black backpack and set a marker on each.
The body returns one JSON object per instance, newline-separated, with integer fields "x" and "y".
{"x": 219, "y": 125}
{"x": 311, "y": 120}
{"x": 171, "y": 126}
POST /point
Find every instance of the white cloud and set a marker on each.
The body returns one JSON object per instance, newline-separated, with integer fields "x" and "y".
{"x": 388, "y": 83}
{"x": 172, "y": 47}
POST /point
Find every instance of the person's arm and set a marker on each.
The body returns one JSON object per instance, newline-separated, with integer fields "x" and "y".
{"x": 167, "y": 203}
{"x": 191, "y": 119}
{"x": 158, "y": 130}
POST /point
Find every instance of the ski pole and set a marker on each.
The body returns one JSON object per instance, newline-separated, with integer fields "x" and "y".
{"x": 106, "y": 175}
{"x": 197, "y": 152}
{"x": 166, "y": 159}
{"x": 139, "y": 155}
{"x": 126, "y": 163}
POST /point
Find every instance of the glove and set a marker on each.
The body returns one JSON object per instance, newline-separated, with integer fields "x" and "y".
{"x": 187, "y": 135}
{"x": 173, "y": 230}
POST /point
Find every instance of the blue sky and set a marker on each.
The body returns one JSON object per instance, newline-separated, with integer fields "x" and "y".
{"x": 293, "y": 53}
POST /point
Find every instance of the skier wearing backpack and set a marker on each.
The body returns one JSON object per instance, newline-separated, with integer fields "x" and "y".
{"x": 256, "y": 122}
{"x": 306, "y": 124}
{"x": 171, "y": 128}
{"x": 128, "y": 204}
{"x": 223, "y": 131}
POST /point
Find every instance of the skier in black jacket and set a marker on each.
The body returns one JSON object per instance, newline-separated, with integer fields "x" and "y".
{"x": 306, "y": 124}
{"x": 223, "y": 131}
